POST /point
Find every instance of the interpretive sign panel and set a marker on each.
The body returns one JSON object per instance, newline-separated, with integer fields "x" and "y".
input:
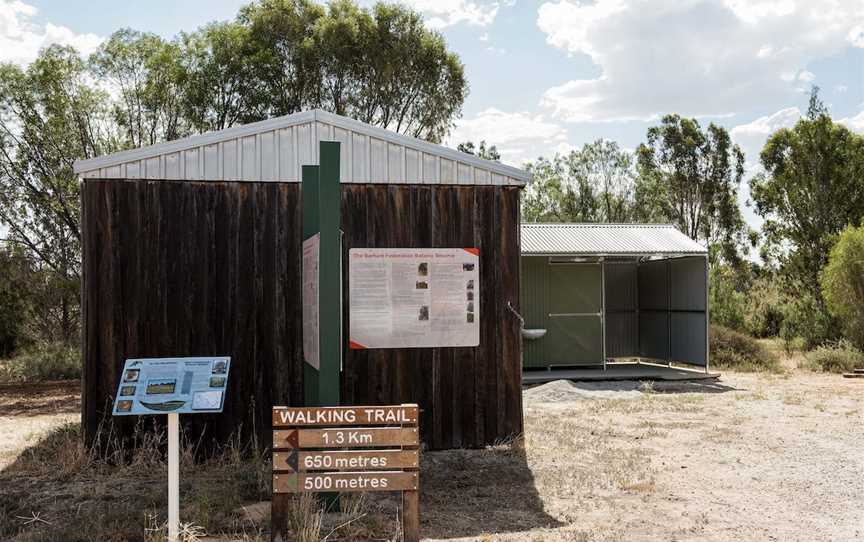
{"x": 172, "y": 385}
{"x": 304, "y": 458}
{"x": 414, "y": 298}
{"x": 311, "y": 319}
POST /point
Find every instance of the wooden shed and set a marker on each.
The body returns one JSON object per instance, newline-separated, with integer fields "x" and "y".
{"x": 193, "y": 248}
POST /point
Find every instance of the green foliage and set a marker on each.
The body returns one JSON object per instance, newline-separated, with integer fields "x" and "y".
{"x": 13, "y": 301}
{"x": 737, "y": 351}
{"x": 843, "y": 283}
{"x": 54, "y": 361}
{"x": 383, "y": 66}
{"x": 690, "y": 176}
{"x": 727, "y": 305}
{"x": 593, "y": 184}
{"x": 50, "y": 115}
{"x": 148, "y": 75}
{"x": 763, "y": 307}
{"x": 810, "y": 191}
{"x": 838, "y": 357}
{"x": 487, "y": 153}
{"x": 804, "y": 318}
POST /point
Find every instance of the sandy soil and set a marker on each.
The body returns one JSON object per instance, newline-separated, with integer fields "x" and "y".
{"x": 29, "y": 411}
{"x": 751, "y": 457}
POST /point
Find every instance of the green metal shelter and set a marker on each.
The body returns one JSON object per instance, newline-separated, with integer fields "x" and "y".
{"x": 598, "y": 293}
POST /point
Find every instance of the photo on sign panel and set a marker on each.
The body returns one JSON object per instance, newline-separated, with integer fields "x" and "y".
{"x": 207, "y": 400}
{"x": 126, "y": 391}
{"x": 470, "y": 296}
{"x": 161, "y": 386}
{"x": 124, "y": 406}
{"x": 220, "y": 367}
{"x": 423, "y": 269}
{"x": 421, "y": 285}
{"x": 470, "y": 285}
{"x": 424, "y": 313}
{"x": 467, "y": 267}
{"x": 217, "y": 381}
{"x": 131, "y": 375}
{"x": 470, "y": 318}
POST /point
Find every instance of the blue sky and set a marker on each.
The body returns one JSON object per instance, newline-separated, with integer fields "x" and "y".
{"x": 547, "y": 76}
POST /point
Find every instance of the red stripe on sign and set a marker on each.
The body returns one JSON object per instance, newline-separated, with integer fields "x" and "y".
{"x": 474, "y": 251}
{"x": 354, "y": 345}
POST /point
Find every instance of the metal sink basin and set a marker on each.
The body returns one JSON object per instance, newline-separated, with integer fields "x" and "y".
{"x": 531, "y": 334}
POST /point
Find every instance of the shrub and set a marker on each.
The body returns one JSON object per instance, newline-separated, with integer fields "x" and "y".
{"x": 838, "y": 357}
{"x": 51, "y": 361}
{"x": 843, "y": 283}
{"x": 726, "y": 302}
{"x": 734, "y": 350}
{"x": 763, "y": 310}
{"x": 804, "y": 317}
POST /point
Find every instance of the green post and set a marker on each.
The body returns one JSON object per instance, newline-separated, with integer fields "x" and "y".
{"x": 321, "y": 213}
{"x": 330, "y": 274}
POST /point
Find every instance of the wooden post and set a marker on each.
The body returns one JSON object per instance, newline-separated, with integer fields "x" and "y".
{"x": 411, "y": 516}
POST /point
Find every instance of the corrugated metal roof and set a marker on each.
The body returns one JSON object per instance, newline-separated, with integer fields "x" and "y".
{"x": 275, "y": 149}
{"x": 612, "y": 239}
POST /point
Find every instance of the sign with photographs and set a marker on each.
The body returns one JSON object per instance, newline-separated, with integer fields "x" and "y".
{"x": 172, "y": 385}
{"x": 414, "y": 298}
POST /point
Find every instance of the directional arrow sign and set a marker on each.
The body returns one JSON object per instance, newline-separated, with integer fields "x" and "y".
{"x": 344, "y": 482}
{"x": 360, "y": 437}
{"x": 345, "y": 460}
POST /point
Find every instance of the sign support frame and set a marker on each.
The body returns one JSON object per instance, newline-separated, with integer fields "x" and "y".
{"x": 173, "y": 477}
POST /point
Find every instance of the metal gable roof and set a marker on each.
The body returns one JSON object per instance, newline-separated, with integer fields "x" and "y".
{"x": 275, "y": 149}
{"x": 601, "y": 239}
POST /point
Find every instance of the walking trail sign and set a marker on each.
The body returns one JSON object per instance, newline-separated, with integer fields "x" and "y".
{"x": 348, "y": 449}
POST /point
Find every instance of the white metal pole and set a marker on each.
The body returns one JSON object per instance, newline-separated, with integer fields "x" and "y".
{"x": 173, "y": 477}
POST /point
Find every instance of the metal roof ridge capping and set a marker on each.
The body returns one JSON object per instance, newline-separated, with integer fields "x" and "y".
{"x": 275, "y": 149}
{"x": 600, "y": 239}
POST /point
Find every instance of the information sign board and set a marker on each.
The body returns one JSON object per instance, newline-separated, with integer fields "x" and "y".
{"x": 311, "y": 258}
{"x": 414, "y": 297}
{"x": 311, "y": 455}
{"x": 172, "y": 385}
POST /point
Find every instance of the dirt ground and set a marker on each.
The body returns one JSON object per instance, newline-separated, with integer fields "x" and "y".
{"x": 749, "y": 457}
{"x": 29, "y": 411}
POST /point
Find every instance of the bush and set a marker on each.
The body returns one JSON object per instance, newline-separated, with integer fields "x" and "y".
{"x": 763, "y": 311}
{"x": 734, "y": 350}
{"x": 838, "y": 357}
{"x": 726, "y": 302}
{"x": 843, "y": 283}
{"x": 50, "y": 361}
{"x": 804, "y": 318}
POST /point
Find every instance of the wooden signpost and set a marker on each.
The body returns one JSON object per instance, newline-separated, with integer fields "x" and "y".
{"x": 349, "y": 449}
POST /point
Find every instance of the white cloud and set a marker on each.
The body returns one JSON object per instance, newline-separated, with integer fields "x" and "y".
{"x": 856, "y": 123}
{"x": 709, "y": 57}
{"x": 443, "y": 13}
{"x": 519, "y": 136}
{"x": 21, "y": 38}
{"x": 753, "y": 135}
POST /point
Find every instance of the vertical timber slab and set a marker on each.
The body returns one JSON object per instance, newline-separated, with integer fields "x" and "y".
{"x": 511, "y": 337}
